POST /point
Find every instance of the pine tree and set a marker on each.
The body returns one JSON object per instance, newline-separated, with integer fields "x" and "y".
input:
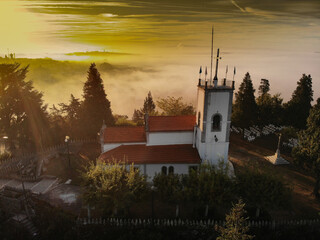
{"x": 270, "y": 108}
{"x": 236, "y": 227}
{"x": 148, "y": 107}
{"x": 264, "y": 87}
{"x": 297, "y": 109}
{"x": 95, "y": 107}
{"x": 72, "y": 115}
{"x": 245, "y": 107}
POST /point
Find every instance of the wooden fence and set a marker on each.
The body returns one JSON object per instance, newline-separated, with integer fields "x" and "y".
{"x": 186, "y": 223}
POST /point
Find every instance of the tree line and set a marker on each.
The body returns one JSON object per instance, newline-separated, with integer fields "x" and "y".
{"x": 270, "y": 109}
{"x": 29, "y": 123}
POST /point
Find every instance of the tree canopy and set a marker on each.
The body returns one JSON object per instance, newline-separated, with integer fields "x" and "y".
{"x": 111, "y": 187}
{"x": 270, "y": 108}
{"x": 172, "y": 106}
{"x": 23, "y": 116}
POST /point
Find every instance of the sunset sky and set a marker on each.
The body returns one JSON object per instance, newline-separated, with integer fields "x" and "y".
{"x": 158, "y": 45}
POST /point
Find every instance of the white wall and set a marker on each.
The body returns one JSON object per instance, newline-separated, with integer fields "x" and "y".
{"x": 109, "y": 146}
{"x": 218, "y": 102}
{"x": 151, "y": 169}
{"x": 170, "y": 138}
{"x": 200, "y": 105}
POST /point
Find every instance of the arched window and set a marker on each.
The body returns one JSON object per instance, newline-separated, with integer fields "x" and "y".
{"x": 199, "y": 117}
{"x": 164, "y": 170}
{"x": 171, "y": 170}
{"x": 216, "y": 122}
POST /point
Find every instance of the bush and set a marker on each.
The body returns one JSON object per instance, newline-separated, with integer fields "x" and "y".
{"x": 111, "y": 187}
{"x": 262, "y": 191}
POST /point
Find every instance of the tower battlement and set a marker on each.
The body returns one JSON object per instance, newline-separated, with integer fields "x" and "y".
{"x": 218, "y": 84}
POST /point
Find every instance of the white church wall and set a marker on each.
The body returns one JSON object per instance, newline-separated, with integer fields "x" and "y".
{"x": 215, "y": 146}
{"x": 109, "y": 146}
{"x": 152, "y": 169}
{"x": 170, "y": 138}
{"x": 200, "y": 105}
{"x": 218, "y": 151}
{"x": 218, "y": 103}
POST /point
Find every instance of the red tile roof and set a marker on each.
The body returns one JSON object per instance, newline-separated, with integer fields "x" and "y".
{"x": 171, "y": 123}
{"x": 142, "y": 154}
{"x": 124, "y": 134}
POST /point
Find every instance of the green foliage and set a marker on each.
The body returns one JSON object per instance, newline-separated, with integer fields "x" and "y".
{"x": 112, "y": 187}
{"x": 262, "y": 190}
{"x": 123, "y": 120}
{"x": 297, "y": 109}
{"x": 264, "y": 87}
{"x": 95, "y": 107}
{"x": 270, "y": 110}
{"x": 209, "y": 185}
{"x": 23, "y": 116}
{"x": 245, "y": 108}
{"x": 236, "y": 227}
{"x": 169, "y": 186}
{"x": 172, "y": 106}
{"x": 307, "y": 153}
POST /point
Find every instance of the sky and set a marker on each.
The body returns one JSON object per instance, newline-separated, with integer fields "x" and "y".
{"x": 159, "y": 45}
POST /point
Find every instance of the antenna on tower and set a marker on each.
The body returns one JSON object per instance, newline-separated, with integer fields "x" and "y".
{"x": 211, "y": 55}
{"x": 226, "y": 72}
{"x": 200, "y": 71}
{"x": 216, "y": 74}
{"x": 205, "y": 75}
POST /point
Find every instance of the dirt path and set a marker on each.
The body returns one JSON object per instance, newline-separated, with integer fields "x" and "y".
{"x": 304, "y": 205}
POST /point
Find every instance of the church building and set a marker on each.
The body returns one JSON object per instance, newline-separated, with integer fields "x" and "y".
{"x": 175, "y": 144}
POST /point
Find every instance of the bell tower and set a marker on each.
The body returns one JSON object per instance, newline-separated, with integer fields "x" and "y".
{"x": 214, "y": 106}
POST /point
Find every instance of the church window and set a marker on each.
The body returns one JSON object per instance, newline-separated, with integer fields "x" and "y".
{"x": 171, "y": 170}
{"x": 164, "y": 170}
{"x": 216, "y": 123}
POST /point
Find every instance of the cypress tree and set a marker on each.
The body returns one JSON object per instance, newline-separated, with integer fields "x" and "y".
{"x": 245, "y": 107}
{"x": 270, "y": 109}
{"x": 148, "y": 107}
{"x": 95, "y": 107}
{"x": 297, "y": 109}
